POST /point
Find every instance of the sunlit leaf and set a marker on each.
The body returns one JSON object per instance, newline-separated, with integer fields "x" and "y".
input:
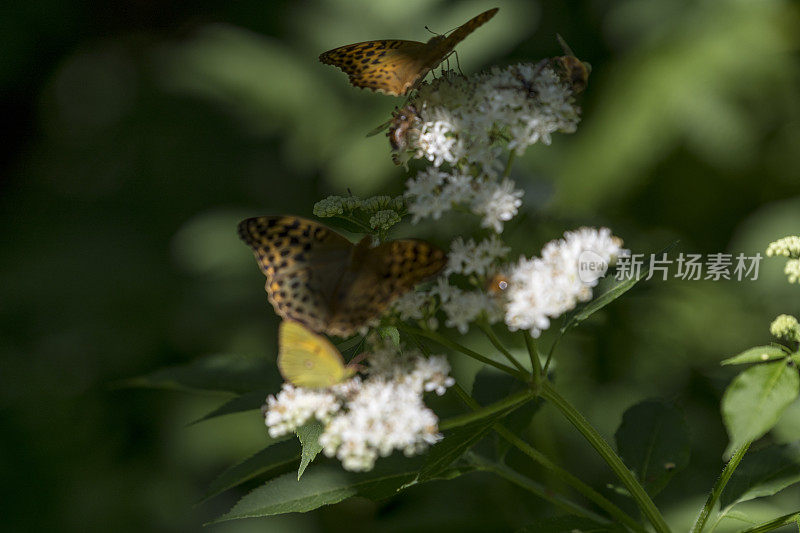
{"x": 324, "y": 485}
{"x": 763, "y": 473}
{"x": 309, "y": 439}
{"x": 759, "y": 354}
{"x": 653, "y": 440}
{"x": 755, "y": 400}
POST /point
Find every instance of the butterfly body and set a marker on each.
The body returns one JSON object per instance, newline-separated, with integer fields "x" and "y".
{"x": 306, "y": 359}
{"x": 320, "y": 279}
{"x": 394, "y": 66}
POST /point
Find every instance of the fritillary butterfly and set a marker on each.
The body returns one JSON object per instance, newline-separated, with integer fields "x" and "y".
{"x": 393, "y": 66}
{"x": 320, "y": 279}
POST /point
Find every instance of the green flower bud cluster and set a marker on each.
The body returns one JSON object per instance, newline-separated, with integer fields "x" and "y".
{"x": 785, "y": 327}
{"x": 788, "y": 247}
{"x": 381, "y": 211}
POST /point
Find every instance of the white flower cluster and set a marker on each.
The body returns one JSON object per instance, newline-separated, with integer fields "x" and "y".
{"x": 788, "y": 247}
{"x": 545, "y": 287}
{"x": 465, "y": 122}
{"x": 371, "y": 417}
{"x": 461, "y": 307}
{"x": 433, "y": 192}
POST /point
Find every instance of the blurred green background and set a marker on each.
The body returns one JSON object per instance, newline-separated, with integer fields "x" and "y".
{"x": 139, "y": 133}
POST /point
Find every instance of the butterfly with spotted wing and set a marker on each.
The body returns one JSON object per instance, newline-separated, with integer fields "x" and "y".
{"x": 395, "y": 66}
{"x": 320, "y": 279}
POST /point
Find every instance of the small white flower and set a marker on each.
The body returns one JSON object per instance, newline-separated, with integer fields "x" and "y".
{"x": 464, "y": 307}
{"x": 470, "y": 258}
{"x": 411, "y": 305}
{"x": 498, "y": 203}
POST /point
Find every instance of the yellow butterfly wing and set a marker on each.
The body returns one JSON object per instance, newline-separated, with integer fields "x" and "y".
{"x": 306, "y": 359}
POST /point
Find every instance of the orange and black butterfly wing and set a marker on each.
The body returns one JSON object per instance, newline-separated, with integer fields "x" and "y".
{"x": 388, "y": 66}
{"x": 381, "y": 275}
{"x": 303, "y": 262}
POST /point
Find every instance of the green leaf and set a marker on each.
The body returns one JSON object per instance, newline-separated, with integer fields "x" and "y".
{"x": 309, "y": 439}
{"x": 490, "y": 386}
{"x": 323, "y": 485}
{"x": 279, "y": 455}
{"x": 248, "y": 401}
{"x": 337, "y": 222}
{"x": 653, "y": 440}
{"x": 755, "y": 400}
{"x": 607, "y": 290}
{"x": 390, "y": 332}
{"x": 224, "y": 373}
{"x": 759, "y": 354}
{"x": 568, "y": 524}
{"x": 763, "y": 473}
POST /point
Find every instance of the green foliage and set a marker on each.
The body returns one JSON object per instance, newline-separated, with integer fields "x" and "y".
{"x": 653, "y": 439}
{"x": 755, "y": 400}
{"x": 759, "y": 354}
{"x": 309, "y": 439}
{"x": 324, "y": 485}
{"x": 763, "y": 473}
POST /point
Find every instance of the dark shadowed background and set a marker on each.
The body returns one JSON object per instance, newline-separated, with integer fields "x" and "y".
{"x": 138, "y": 133}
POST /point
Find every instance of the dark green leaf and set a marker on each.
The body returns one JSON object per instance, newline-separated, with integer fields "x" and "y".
{"x": 458, "y": 441}
{"x": 755, "y": 400}
{"x": 309, "y": 439}
{"x": 248, "y": 401}
{"x": 224, "y": 373}
{"x": 653, "y": 440}
{"x": 324, "y": 485}
{"x": 759, "y": 354}
{"x": 279, "y": 455}
{"x": 763, "y": 473}
{"x": 491, "y": 386}
{"x": 568, "y": 524}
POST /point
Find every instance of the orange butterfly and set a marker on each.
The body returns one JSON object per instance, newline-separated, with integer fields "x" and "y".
{"x": 394, "y": 67}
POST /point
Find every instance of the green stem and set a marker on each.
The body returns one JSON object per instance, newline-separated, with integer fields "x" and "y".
{"x": 506, "y": 404}
{"x": 607, "y": 453}
{"x": 551, "y": 352}
{"x": 533, "y": 353}
{"x": 719, "y": 486}
{"x": 447, "y": 343}
{"x": 357, "y": 222}
{"x": 487, "y": 330}
{"x": 781, "y": 521}
{"x": 542, "y": 460}
{"x": 528, "y": 484}
{"x": 511, "y": 157}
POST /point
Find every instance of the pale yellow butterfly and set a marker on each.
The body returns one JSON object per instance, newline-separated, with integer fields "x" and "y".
{"x": 306, "y": 359}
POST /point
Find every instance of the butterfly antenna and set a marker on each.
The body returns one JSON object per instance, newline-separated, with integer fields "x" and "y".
{"x": 564, "y": 46}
